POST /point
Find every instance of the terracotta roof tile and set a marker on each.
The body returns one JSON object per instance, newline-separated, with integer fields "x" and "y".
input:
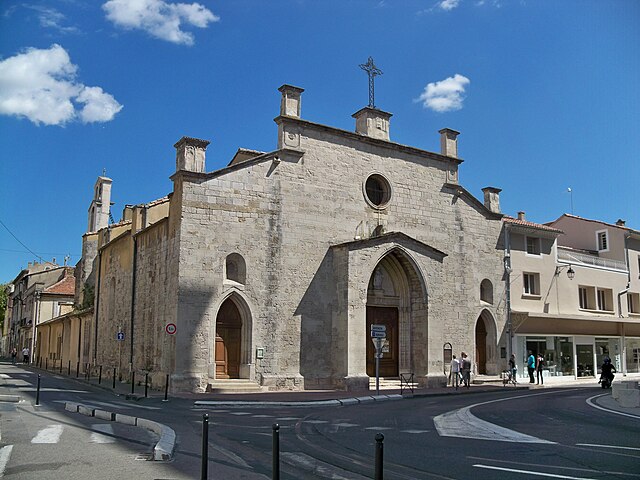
{"x": 66, "y": 286}
{"x": 526, "y": 223}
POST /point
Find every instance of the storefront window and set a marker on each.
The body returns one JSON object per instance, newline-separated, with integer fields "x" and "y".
{"x": 564, "y": 350}
{"x": 584, "y": 352}
{"x": 608, "y": 347}
{"x": 632, "y": 346}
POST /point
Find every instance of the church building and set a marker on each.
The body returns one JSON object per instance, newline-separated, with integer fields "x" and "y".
{"x": 274, "y": 268}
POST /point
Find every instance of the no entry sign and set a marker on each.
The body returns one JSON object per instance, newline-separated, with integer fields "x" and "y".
{"x": 170, "y": 328}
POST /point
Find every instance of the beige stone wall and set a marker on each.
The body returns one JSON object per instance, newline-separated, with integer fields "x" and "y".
{"x": 284, "y": 217}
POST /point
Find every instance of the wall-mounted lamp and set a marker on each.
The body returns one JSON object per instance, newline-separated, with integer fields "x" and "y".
{"x": 570, "y": 272}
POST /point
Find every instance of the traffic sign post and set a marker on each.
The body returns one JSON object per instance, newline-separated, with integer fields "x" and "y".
{"x": 170, "y": 328}
{"x": 378, "y": 342}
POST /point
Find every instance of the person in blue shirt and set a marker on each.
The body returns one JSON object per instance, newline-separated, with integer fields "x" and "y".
{"x": 531, "y": 366}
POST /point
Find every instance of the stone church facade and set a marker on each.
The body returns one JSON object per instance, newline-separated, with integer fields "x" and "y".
{"x": 273, "y": 268}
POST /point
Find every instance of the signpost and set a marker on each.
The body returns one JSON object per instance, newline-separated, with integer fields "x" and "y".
{"x": 170, "y": 328}
{"x": 378, "y": 337}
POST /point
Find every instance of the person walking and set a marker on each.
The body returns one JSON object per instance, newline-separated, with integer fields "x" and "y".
{"x": 25, "y": 355}
{"x": 539, "y": 367}
{"x": 466, "y": 370}
{"x": 455, "y": 372}
{"x": 513, "y": 368}
{"x": 14, "y": 354}
{"x": 531, "y": 366}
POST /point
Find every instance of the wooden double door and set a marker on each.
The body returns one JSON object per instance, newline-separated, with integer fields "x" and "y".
{"x": 228, "y": 341}
{"x": 389, "y": 362}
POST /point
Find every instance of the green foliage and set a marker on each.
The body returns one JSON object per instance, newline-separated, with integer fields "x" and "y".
{"x": 3, "y": 302}
{"x": 88, "y": 296}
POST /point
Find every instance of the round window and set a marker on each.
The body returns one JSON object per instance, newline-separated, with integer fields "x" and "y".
{"x": 377, "y": 190}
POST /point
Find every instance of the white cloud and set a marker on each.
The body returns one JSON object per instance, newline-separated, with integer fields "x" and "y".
{"x": 445, "y": 95}
{"x": 41, "y": 86}
{"x": 159, "y": 18}
{"x": 52, "y": 18}
{"x": 448, "y": 4}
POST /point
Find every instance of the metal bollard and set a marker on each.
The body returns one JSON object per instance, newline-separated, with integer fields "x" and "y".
{"x": 100, "y": 376}
{"x": 166, "y": 388}
{"x": 205, "y": 447}
{"x": 379, "y": 456}
{"x": 146, "y": 384}
{"x": 60, "y": 365}
{"x": 46, "y": 364}
{"x": 38, "y": 392}
{"x": 133, "y": 382}
{"x": 114, "y": 378}
{"x": 69, "y": 369}
{"x": 77, "y": 369}
{"x": 276, "y": 452}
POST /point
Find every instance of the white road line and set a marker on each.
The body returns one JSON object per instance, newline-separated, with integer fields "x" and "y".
{"x": 591, "y": 403}
{"x": 531, "y": 472}
{"x": 606, "y": 446}
{"x": 99, "y": 437}
{"x": 415, "y": 431}
{"x": 50, "y": 434}
{"x": 5, "y": 455}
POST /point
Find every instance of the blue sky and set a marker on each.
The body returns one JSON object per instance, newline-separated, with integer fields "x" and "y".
{"x": 544, "y": 93}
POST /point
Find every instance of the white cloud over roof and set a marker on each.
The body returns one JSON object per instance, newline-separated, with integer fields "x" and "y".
{"x": 158, "y": 18}
{"x": 445, "y": 95}
{"x": 41, "y": 85}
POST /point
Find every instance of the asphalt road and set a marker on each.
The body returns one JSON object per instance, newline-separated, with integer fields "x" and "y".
{"x": 508, "y": 434}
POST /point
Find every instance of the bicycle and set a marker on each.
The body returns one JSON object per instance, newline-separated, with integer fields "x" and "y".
{"x": 508, "y": 377}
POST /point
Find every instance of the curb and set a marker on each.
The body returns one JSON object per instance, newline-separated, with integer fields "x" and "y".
{"x": 309, "y": 403}
{"x": 163, "y": 449}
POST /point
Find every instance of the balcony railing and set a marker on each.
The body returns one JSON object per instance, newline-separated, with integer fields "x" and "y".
{"x": 580, "y": 258}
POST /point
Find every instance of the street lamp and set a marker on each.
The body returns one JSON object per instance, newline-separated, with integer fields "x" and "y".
{"x": 570, "y": 272}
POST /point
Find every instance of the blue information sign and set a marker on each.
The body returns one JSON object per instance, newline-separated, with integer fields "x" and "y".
{"x": 120, "y": 336}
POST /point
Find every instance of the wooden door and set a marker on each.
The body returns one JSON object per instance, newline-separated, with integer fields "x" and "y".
{"x": 387, "y": 316}
{"x": 228, "y": 341}
{"x": 481, "y": 347}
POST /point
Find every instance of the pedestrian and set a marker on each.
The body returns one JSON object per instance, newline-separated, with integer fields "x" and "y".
{"x": 512, "y": 367}
{"x": 25, "y": 355}
{"x": 455, "y": 372}
{"x": 539, "y": 367}
{"x": 466, "y": 370}
{"x": 14, "y": 354}
{"x": 531, "y": 366}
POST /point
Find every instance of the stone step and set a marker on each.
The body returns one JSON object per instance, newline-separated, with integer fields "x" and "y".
{"x": 233, "y": 386}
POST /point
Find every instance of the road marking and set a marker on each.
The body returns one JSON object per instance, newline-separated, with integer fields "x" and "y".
{"x": 378, "y": 428}
{"x": 606, "y": 446}
{"x": 262, "y": 416}
{"x": 345, "y": 425}
{"x": 228, "y": 453}
{"x": 414, "y": 431}
{"x": 318, "y": 468}
{"x": 591, "y": 403}
{"x": 5, "y": 455}
{"x": 315, "y": 422}
{"x": 531, "y": 472}
{"x": 240, "y": 413}
{"x": 99, "y": 437}
{"x": 463, "y": 424}
{"x": 50, "y": 434}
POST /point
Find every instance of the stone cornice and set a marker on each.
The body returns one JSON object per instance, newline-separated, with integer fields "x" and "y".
{"x": 363, "y": 138}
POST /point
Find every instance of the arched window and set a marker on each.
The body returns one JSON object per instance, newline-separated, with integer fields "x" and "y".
{"x": 235, "y": 268}
{"x": 486, "y": 291}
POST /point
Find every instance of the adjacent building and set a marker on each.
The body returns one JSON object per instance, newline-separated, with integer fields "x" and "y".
{"x": 575, "y": 291}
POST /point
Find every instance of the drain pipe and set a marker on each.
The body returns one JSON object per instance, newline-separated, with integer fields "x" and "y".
{"x": 133, "y": 295}
{"x": 507, "y": 276}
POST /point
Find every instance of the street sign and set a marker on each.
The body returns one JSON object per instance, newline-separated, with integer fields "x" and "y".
{"x": 378, "y": 334}
{"x": 170, "y": 328}
{"x": 120, "y": 336}
{"x": 378, "y": 328}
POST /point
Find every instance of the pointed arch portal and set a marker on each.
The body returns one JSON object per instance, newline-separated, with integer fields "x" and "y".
{"x": 396, "y": 299}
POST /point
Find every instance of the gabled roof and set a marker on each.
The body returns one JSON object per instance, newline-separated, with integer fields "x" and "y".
{"x": 391, "y": 237}
{"x": 576, "y": 217}
{"x": 66, "y": 286}
{"x": 530, "y": 225}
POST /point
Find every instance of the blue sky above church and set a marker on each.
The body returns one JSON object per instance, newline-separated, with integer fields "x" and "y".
{"x": 544, "y": 94}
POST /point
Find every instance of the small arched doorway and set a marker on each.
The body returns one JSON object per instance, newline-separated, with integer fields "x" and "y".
{"x": 228, "y": 341}
{"x": 481, "y": 346}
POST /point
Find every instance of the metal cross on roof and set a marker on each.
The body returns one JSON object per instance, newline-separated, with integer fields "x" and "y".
{"x": 372, "y": 71}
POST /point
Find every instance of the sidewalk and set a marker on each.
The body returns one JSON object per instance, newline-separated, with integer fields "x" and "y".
{"x": 331, "y": 397}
